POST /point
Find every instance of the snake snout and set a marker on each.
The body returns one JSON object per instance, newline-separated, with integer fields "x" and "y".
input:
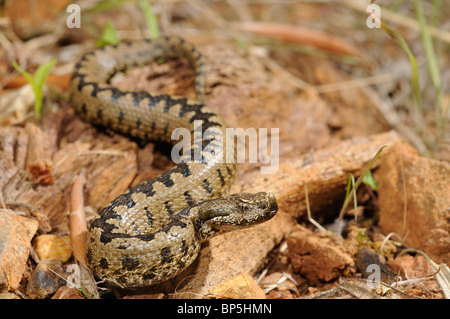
{"x": 272, "y": 204}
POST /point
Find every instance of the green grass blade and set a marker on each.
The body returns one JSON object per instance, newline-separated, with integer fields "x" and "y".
{"x": 150, "y": 18}
{"x": 106, "y": 5}
{"x": 37, "y": 82}
{"x": 23, "y": 72}
{"x": 358, "y": 182}
{"x": 432, "y": 63}
{"x": 43, "y": 71}
{"x": 40, "y": 77}
{"x": 417, "y": 96}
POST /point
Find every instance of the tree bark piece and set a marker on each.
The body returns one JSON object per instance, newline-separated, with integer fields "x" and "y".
{"x": 39, "y": 161}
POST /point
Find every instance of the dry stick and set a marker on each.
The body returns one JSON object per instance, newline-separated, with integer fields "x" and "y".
{"x": 77, "y": 219}
{"x": 387, "y": 111}
{"x": 405, "y": 205}
{"x": 308, "y": 210}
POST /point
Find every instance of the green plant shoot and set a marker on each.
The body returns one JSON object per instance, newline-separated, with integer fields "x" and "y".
{"x": 358, "y": 182}
{"x": 109, "y": 36}
{"x": 37, "y": 82}
{"x": 370, "y": 181}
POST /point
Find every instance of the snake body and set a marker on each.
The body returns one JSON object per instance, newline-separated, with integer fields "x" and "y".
{"x": 152, "y": 232}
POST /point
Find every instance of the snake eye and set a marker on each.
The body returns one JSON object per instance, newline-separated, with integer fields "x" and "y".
{"x": 244, "y": 207}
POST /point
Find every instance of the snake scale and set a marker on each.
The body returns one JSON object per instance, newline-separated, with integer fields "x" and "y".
{"x": 154, "y": 231}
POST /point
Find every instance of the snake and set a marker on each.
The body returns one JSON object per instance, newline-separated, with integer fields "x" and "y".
{"x": 154, "y": 231}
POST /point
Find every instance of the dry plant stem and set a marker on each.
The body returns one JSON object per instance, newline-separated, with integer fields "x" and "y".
{"x": 387, "y": 111}
{"x": 308, "y": 210}
{"x": 404, "y": 198}
{"x": 77, "y": 219}
{"x": 241, "y": 9}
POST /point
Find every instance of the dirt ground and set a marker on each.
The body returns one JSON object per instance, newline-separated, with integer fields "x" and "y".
{"x": 331, "y": 86}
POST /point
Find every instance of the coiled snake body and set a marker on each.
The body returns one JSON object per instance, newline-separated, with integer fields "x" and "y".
{"x": 154, "y": 231}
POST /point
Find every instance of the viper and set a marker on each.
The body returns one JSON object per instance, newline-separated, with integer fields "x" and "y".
{"x": 155, "y": 230}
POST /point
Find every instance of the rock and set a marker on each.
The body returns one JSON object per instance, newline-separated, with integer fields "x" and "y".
{"x": 45, "y": 279}
{"x": 240, "y": 287}
{"x": 316, "y": 257}
{"x": 8, "y": 295}
{"x": 38, "y": 155}
{"x": 365, "y": 259}
{"x": 427, "y": 197}
{"x": 16, "y": 233}
{"x": 438, "y": 245}
{"x": 53, "y": 247}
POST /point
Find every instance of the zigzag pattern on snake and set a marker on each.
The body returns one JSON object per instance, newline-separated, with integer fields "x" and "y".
{"x": 154, "y": 231}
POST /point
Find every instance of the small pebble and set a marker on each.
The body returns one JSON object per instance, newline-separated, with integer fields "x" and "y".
{"x": 45, "y": 280}
{"x": 52, "y": 247}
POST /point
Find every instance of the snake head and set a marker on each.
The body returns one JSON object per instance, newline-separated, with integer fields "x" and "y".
{"x": 234, "y": 211}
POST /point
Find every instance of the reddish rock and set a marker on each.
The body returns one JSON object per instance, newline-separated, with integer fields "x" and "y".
{"x": 317, "y": 257}
{"x": 438, "y": 245}
{"x": 16, "y": 233}
{"x": 427, "y": 198}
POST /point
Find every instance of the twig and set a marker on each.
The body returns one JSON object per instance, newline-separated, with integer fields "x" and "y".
{"x": 386, "y": 109}
{"x": 405, "y": 203}
{"x": 77, "y": 219}
{"x": 387, "y": 238}
{"x": 308, "y": 210}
